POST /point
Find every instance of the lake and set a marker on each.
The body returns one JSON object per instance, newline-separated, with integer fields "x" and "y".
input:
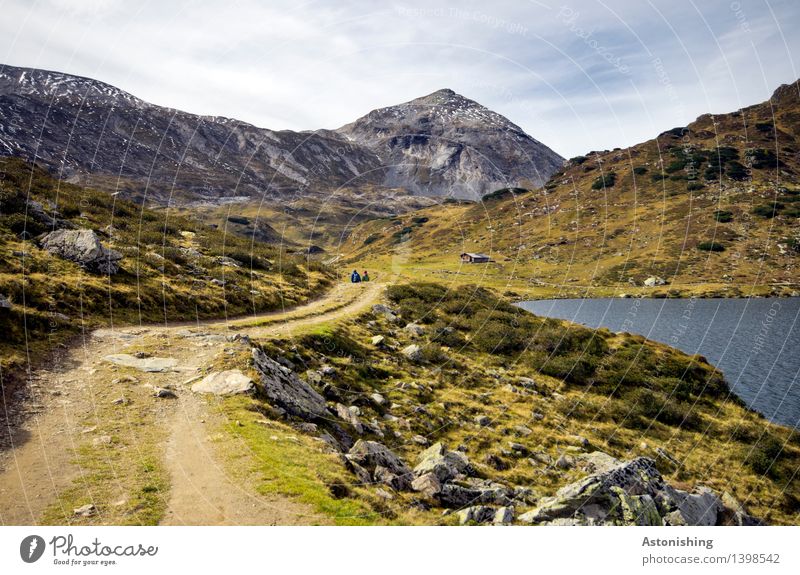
{"x": 755, "y": 342}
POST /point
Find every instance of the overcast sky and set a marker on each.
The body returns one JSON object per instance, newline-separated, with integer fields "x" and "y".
{"x": 577, "y": 76}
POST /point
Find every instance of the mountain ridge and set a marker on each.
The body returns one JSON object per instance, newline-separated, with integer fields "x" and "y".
{"x": 96, "y": 134}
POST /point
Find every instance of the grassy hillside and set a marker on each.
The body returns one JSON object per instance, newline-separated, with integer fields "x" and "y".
{"x": 711, "y": 207}
{"x": 516, "y": 393}
{"x": 312, "y": 218}
{"x": 172, "y": 267}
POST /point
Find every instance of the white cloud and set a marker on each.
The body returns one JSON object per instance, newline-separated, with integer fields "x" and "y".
{"x": 579, "y": 84}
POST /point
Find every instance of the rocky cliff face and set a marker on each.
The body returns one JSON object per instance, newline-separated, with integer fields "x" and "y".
{"x": 91, "y": 132}
{"x": 445, "y": 144}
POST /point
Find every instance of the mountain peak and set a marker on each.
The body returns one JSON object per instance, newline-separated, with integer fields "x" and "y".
{"x": 444, "y": 144}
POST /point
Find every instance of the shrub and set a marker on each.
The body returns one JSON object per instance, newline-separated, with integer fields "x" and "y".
{"x": 723, "y": 216}
{"x": 736, "y": 171}
{"x": 605, "y": 181}
{"x": 694, "y": 186}
{"x": 724, "y": 154}
{"x": 710, "y": 247}
{"x": 446, "y": 335}
{"x": 574, "y": 368}
{"x": 496, "y": 337}
{"x": 675, "y": 166}
{"x": 371, "y": 239}
{"x": 501, "y": 193}
{"x": 577, "y": 160}
{"x": 768, "y": 210}
{"x": 763, "y": 456}
{"x": 419, "y": 220}
{"x": 648, "y": 406}
{"x": 658, "y": 177}
{"x": 639, "y": 170}
{"x": 764, "y": 127}
{"x": 763, "y": 159}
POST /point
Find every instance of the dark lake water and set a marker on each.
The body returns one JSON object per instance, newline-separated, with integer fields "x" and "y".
{"x": 755, "y": 342}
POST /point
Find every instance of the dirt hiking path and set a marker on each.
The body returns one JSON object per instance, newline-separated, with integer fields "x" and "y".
{"x": 70, "y": 407}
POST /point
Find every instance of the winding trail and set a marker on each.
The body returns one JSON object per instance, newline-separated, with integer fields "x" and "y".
{"x": 78, "y": 385}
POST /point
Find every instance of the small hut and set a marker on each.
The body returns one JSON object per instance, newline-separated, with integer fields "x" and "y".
{"x": 469, "y": 258}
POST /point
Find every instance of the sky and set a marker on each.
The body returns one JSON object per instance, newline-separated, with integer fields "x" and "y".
{"x": 578, "y": 76}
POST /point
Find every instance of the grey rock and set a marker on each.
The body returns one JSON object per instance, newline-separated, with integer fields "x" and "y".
{"x": 701, "y": 508}
{"x": 285, "y": 389}
{"x": 164, "y": 393}
{"x": 413, "y": 352}
{"x": 415, "y": 329}
{"x": 428, "y": 484}
{"x": 84, "y": 248}
{"x": 229, "y": 382}
{"x": 565, "y": 462}
{"x": 627, "y": 493}
{"x": 350, "y": 416}
{"x": 503, "y": 516}
{"x": 445, "y": 464}
{"x": 483, "y": 420}
{"x": 653, "y": 281}
{"x": 734, "y": 513}
{"x": 88, "y": 510}
{"x": 4, "y": 303}
{"x": 378, "y": 340}
{"x": 372, "y": 455}
{"x": 421, "y": 440}
{"x": 146, "y": 364}
{"x": 522, "y": 430}
{"x": 477, "y": 514}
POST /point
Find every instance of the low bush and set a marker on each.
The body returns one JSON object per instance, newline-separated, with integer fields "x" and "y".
{"x": 710, "y": 247}
{"x": 723, "y": 216}
{"x": 768, "y": 210}
{"x": 605, "y": 181}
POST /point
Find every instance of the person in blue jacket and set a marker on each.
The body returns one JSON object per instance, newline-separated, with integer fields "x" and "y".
{"x": 354, "y": 277}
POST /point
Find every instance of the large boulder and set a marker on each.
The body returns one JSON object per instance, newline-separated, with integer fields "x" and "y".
{"x": 84, "y": 248}
{"x": 285, "y": 389}
{"x": 381, "y": 463}
{"x": 631, "y": 493}
{"x": 229, "y": 382}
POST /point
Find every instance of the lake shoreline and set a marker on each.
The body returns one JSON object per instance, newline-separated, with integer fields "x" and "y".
{"x": 750, "y": 340}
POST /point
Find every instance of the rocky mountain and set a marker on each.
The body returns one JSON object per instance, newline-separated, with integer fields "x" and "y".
{"x": 88, "y": 131}
{"x": 447, "y": 145}
{"x": 93, "y": 133}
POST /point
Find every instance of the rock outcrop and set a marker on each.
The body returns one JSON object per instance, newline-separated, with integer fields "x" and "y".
{"x": 84, "y": 248}
{"x": 632, "y": 493}
{"x": 284, "y": 389}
